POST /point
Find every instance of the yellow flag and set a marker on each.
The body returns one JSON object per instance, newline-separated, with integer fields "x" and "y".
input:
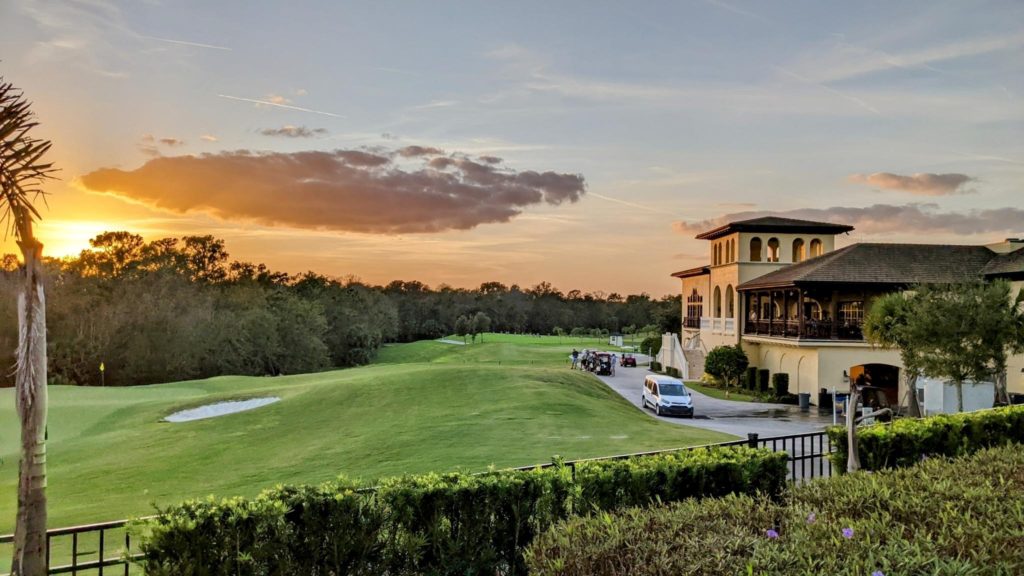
{"x": 102, "y": 367}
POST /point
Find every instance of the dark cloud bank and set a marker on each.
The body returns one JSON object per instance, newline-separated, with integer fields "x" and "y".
{"x": 887, "y": 218}
{"x": 413, "y": 189}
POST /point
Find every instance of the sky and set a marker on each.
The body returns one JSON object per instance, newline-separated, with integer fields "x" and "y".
{"x": 580, "y": 143}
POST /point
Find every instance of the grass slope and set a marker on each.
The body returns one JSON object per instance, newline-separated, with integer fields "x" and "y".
{"x": 110, "y": 456}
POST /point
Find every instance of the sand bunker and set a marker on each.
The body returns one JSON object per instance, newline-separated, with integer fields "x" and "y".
{"x": 455, "y": 342}
{"x": 219, "y": 409}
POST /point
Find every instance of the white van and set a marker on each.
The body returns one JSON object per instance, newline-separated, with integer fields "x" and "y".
{"x": 667, "y": 396}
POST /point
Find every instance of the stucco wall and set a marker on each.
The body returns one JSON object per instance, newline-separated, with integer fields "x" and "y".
{"x": 811, "y": 368}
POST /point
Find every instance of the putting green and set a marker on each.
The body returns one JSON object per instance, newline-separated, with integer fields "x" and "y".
{"x": 112, "y": 456}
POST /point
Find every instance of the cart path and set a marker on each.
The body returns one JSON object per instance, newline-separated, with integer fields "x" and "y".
{"x": 738, "y": 418}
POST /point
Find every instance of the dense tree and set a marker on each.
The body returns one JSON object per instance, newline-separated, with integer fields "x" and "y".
{"x": 179, "y": 308}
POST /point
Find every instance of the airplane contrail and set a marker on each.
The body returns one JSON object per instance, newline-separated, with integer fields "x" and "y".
{"x": 625, "y": 202}
{"x": 288, "y": 106}
{"x": 187, "y": 43}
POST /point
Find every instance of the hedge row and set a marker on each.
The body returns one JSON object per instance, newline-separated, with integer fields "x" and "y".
{"x": 907, "y": 441}
{"x": 432, "y": 524}
{"x": 941, "y": 517}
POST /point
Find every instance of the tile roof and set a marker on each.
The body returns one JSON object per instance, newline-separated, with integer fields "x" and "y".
{"x": 1011, "y": 263}
{"x": 775, "y": 224}
{"x": 698, "y": 271}
{"x": 894, "y": 264}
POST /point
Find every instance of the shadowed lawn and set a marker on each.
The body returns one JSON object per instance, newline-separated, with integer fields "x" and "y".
{"x": 111, "y": 456}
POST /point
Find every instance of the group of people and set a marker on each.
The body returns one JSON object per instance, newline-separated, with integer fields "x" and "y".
{"x": 591, "y": 360}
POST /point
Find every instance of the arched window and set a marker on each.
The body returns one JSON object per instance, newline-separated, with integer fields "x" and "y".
{"x": 718, "y": 302}
{"x": 815, "y": 248}
{"x": 715, "y": 253}
{"x": 773, "y": 250}
{"x": 798, "y": 250}
{"x": 735, "y": 256}
{"x": 755, "y": 249}
{"x": 728, "y": 251}
{"x": 730, "y": 306}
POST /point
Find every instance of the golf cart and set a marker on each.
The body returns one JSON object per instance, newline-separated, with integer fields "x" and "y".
{"x": 628, "y": 361}
{"x": 603, "y": 364}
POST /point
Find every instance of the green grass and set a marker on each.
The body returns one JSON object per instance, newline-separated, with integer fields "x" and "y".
{"x": 424, "y": 407}
{"x": 734, "y": 394}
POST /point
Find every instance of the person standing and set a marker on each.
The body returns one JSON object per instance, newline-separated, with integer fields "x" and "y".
{"x": 575, "y": 358}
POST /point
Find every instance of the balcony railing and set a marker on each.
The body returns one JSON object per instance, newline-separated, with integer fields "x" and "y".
{"x": 730, "y": 325}
{"x": 691, "y": 322}
{"x": 812, "y": 329}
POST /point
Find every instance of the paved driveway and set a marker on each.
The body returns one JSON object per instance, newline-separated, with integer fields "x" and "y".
{"x": 739, "y": 418}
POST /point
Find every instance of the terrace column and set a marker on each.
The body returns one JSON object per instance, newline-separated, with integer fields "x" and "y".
{"x": 833, "y": 310}
{"x": 800, "y": 311}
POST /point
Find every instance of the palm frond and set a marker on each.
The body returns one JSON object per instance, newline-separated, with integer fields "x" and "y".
{"x": 22, "y": 168}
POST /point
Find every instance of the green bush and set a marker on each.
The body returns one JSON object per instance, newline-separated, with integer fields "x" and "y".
{"x": 673, "y": 372}
{"x": 727, "y": 363}
{"x": 610, "y": 484}
{"x": 942, "y": 517}
{"x": 750, "y": 379}
{"x": 780, "y": 384}
{"x": 432, "y": 524}
{"x": 762, "y": 380}
{"x": 655, "y": 366}
{"x": 906, "y": 441}
{"x": 651, "y": 345}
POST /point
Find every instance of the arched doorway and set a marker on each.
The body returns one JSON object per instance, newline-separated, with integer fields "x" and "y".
{"x": 884, "y": 376}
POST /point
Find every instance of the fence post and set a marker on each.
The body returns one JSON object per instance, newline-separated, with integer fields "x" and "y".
{"x": 752, "y": 439}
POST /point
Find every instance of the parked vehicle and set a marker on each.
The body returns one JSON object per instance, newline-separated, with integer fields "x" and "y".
{"x": 603, "y": 364}
{"x": 628, "y": 361}
{"x": 667, "y": 396}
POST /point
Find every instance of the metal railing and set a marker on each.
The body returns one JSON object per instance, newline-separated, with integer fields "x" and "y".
{"x": 101, "y": 548}
{"x": 808, "y": 459}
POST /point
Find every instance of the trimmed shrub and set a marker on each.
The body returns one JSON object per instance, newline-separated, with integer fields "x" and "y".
{"x": 940, "y": 517}
{"x": 655, "y": 366}
{"x": 610, "y": 484}
{"x": 762, "y": 380}
{"x": 750, "y": 379}
{"x": 433, "y": 524}
{"x": 780, "y": 384}
{"x": 906, "y": 441}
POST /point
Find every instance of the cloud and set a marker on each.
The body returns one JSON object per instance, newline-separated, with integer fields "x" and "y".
{"x": 277, "y": 99}
{"x": 922, "y": 183}
{"x": 209, "y": 138}
{"x": 150, "y": 145}
{"x": 885, "y": 219}
{"x": 341, "y": 190}
{"x": 414, "y": 151}
{"x": 289, "y": 131}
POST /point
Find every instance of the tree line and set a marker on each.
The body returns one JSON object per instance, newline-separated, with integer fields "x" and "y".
{"x": 179, "y": 308}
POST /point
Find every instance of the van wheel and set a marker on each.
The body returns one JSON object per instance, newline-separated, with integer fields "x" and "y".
{"x": 657, "y": 409}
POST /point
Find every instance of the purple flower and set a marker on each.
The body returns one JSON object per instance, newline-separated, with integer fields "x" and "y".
{"x": 772, "y": 534}
{"x": 847, "y": 533}
{"x": 878, "y": 573}
{"x": 811, "y": 518}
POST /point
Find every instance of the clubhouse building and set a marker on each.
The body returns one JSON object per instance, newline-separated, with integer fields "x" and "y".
{"x": 779, "y": 287}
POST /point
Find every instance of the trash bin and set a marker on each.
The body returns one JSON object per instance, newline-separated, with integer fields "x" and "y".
{"x": 825, "y": 400}
{"x": 805, "y": 402}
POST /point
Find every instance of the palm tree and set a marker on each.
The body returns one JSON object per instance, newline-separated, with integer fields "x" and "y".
{"x": 22, "y": 173}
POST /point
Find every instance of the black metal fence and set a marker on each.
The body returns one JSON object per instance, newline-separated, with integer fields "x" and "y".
{"x": 106, "y": 547}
